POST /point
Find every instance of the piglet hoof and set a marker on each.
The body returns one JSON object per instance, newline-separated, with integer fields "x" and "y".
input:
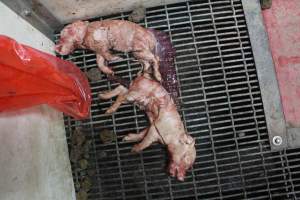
{"x": 109, "y": 111}
{"x": 135, "y": 149}
{"x": 126, "y": 138}
{"x": 101, "y": 95}
{"x": 129, "y": 138}
{"x": 116, "y": 58}
{"x": 140, "y": 73}
{"x": 106, "y": 70}
{"x": 158, "y": 76}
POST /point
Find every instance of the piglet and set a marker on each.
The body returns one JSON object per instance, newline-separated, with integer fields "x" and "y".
{"x": 119, "y": 35}
{"x": 165, "y": 127}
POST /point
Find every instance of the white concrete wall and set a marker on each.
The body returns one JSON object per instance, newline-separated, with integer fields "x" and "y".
{"x": 69, "y": 10}
{"x": 34, "y": 163}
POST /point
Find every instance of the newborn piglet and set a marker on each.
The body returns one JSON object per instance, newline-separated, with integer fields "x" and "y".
{"x": 165, "y": 127}
{"x": 103, "y": 36}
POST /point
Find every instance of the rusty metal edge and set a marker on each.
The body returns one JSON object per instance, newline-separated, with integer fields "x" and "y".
{"x": 266, "y": 75}
{"x": 35, "y": 14}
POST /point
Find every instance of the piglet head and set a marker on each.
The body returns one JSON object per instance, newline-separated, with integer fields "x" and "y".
{"x": 182, "y": 157}
{"x": 71, "y": 37}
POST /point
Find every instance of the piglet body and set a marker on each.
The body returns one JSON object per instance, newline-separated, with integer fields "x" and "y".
{"x": 165, "y": 127}
{"x": 101, "y": 36}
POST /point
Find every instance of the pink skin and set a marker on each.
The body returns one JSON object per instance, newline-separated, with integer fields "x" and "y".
{"x": 71, "y": 37}
{"x": 101, "y": 36}
{"x": 165, "y": 127}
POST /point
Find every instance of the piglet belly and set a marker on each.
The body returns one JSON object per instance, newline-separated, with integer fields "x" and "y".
{"x": 170, "y": 126}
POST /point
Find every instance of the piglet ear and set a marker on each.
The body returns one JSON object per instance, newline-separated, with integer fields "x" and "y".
{"x": 77, "y": 30}
{"x": 71, "y": 30}
{"x": 58, "y": 48}
{"x": 86, "y": 22}
{"x": 77, "y": 22}
{"x": 80, "y": 23}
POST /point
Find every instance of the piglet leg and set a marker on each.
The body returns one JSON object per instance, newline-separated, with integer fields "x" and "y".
{"x": 101, "y": 64}
{"x": 135, "y": 137}
{"x": 146, "y": 57}
{"x": 115, "y": 92}
{"x": 108, "y": 56}
{"x": 151, "y": 137}
{"x": 119, "y": 91}
{"x": 155, "y": 62}
{"x": 119, "y": 101}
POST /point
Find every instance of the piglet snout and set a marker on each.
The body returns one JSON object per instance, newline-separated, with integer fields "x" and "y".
{"x": 177, "y": 170}
{"x": 63, "y": 49}
{"x": 58, "y": 48}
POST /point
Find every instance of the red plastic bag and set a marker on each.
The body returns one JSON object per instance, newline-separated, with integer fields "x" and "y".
{"x": 30, "y": 77}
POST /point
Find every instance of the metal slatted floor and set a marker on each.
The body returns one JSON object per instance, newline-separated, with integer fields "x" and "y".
{"x": 221, "y": 108}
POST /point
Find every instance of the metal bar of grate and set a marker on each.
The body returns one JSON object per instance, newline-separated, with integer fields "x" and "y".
{"x": 206, "y": 106}
{"x": 222, "y": 109}
{"x": 229, "y": 101}
{"x": 182, "y": 111}
{"x": 169, "y": 30}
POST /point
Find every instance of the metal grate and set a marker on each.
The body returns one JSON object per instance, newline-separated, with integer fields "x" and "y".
{"x": 222, "y": 109}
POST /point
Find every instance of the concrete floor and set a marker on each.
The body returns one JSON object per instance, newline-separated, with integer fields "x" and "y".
{"x": 34, "y": 162}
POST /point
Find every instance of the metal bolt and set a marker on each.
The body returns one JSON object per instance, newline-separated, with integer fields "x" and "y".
{"x": 26, "y": 13}
{"x": 277, "y": 140}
